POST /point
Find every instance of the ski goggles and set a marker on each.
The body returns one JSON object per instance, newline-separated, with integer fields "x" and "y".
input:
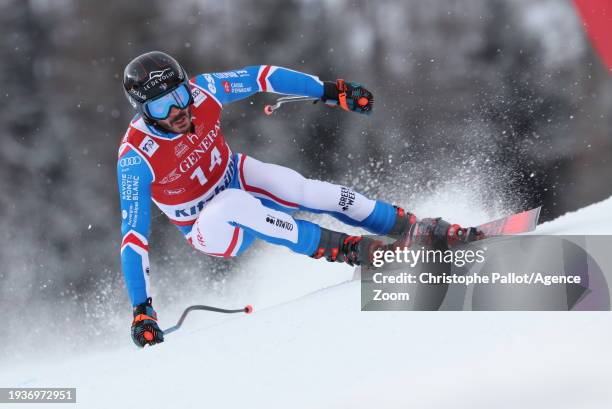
{"x": 160, "y": 108}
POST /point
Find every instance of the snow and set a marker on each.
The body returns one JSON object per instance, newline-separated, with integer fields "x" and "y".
{"x": 318, "y": 350}
{"x": 595, "y": 219}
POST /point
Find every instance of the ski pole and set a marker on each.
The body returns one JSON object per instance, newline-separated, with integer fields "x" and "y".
{"x": 269, "y": 109}
{"x": 247, "y": 310}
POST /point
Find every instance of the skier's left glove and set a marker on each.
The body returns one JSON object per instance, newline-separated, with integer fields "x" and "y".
{"x": 348, "y": 95}
{"x": 145, "y": 330}
{"x": 441, "y": 235}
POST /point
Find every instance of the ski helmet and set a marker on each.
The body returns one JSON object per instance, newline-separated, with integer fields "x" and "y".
{"x": 150, "y": 76}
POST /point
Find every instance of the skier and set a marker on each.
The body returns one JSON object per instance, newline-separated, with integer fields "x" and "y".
{"x": 174, "y": 153}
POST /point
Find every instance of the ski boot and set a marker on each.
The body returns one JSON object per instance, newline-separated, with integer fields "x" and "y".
{"x": 436, "y": 232}
{"x": 404, "y": 221}
{"x": 343, "y": 248}
{"x": 408, "y": 232}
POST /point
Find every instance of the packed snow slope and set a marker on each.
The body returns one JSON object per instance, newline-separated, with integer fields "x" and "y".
{"x": 594, "y": 219}
{"x": 320, "y": 351}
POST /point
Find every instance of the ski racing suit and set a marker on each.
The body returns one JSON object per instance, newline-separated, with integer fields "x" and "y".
{"x": 219, "y": 199}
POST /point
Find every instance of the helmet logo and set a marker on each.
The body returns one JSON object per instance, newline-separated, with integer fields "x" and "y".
{"x": 163, "y": 86}
{"x": 156, "y": 74}
{"x": 157, "y": 78}
{"x": 138, "y": 94}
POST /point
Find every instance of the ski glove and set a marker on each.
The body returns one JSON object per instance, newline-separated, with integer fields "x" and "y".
{"x": 348, "y": 95}
{"x": 441, "y": 234}
{"x": 145, "y": 330}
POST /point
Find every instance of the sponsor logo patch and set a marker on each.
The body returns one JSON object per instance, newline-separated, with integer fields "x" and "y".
{"x": 170, "y": 177}
{"x": 239, "y": 88}
{"x": 227, "y": 87}
{"x": 156, "y": 78}
{"x": 137, "y": 93}
{"x": 148, "y": 146}
{"x": 180, "y": 149}
{"x": 279, "y": 223}
{"x": 211, "y": 83}
{"x": 228, "y": 74}
{"x": 347, "y": 198}
{"x": 174, "y": 192}
{"x": 200, "y": 239}
{"x": 156, "y": 74}
{"x": 132, "y": 160}
{"x": 198, "y": 96}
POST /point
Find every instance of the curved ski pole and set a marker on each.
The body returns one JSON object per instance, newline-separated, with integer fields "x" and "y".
{"x": 269, "y": 109}
{"x": 247, "y": 310}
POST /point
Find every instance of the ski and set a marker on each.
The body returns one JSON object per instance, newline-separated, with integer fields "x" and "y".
{"x": 517, "y": 223}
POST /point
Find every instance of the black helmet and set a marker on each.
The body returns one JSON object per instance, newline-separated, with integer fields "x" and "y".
{"x": 151, "y": 75}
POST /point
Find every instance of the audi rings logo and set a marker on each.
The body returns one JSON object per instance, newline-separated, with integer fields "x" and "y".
{"x": 132, "y": 160}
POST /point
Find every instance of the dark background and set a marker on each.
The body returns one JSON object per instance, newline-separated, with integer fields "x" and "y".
{"x": 504, "y": 98}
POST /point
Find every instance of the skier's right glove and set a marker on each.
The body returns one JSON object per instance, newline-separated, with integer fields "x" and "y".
{"x": 145, "y": 330}
{"x": 348, "y": 96}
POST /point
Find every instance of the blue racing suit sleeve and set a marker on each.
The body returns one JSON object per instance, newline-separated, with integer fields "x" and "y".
{"x": 232, "y": 86}
{"x": 134, "y": 178}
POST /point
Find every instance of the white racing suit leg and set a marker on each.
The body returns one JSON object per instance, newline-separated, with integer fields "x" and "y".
{"x": 260, "y": 203}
